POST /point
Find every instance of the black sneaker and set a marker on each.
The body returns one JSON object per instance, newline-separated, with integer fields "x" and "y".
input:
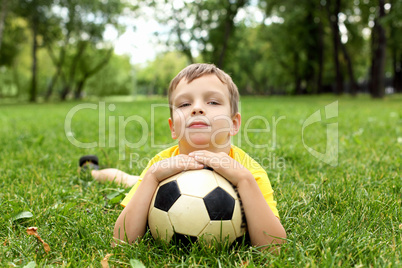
{"x": 88, "y": 163}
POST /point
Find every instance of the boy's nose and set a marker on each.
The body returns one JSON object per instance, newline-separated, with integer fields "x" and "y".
{"x": 197, "y": 110}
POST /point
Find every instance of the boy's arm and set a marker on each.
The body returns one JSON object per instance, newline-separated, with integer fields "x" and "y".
{"x": 263, "y": 226}
{"x": 114, "y": 175}
{"x": 131, "y": 224}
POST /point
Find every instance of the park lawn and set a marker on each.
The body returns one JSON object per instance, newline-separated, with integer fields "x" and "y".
{"x": 344, "y": 215}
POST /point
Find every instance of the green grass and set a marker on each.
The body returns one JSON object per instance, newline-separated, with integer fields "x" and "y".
{"x": 348, "y": 215}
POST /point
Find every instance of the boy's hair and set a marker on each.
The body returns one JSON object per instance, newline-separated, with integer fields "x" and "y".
{"x": 197, "y": 70}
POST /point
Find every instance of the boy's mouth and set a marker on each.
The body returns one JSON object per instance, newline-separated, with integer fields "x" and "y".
{"x": 198, "y": 124}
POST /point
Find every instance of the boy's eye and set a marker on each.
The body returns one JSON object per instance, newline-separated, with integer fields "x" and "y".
{"x": 183, "y": 105}
{"x": 213, "y": 103}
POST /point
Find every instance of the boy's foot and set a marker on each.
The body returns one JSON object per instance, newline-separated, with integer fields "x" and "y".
{"x": 87, "y": 164}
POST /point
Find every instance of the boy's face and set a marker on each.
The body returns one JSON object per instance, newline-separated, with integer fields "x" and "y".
{"x": 201, "y": 115}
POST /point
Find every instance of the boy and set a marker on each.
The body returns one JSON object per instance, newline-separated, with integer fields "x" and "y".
{"x": 204, "y": 115}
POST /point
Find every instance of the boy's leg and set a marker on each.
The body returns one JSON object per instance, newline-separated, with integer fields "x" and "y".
{"x": 90, "y": 163}
{"x": 112, "y": 174}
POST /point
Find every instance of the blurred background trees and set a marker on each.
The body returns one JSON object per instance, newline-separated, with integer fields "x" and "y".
{"x": 59, "y": 49}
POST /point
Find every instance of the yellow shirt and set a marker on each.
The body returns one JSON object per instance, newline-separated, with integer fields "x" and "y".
{"x": 237, "y": 154}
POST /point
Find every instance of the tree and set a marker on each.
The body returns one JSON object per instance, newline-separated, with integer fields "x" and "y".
{"x": 378, "y": 45}
{"x": 4, "y": 7}
{"x": 88, "y": 68}
{"x": 115, "y": 78}
{"x": 155, "y": 78}
{"x": 249, "y": 64}
{"x": 393, "y": 21}
{"x": 207, "y": 26}
{"x": 219, "y": 37}
{"x": 354, "y": 40}
{"x": 13, "y": 38}
{"x": 83, "y": 30}
{"x": 333, "y": 10}
{"x": 36, "y": 13}
{"x": 296, "y": 33}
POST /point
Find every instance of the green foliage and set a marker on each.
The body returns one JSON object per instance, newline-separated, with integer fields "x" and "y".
{"x": 249, "y": 66}
{"x": 219, "y": 43}
{"x": 8, "y": 88}
{"x": 345, "y": 216}
{"x": 156, "y": 76}
{"x": 13, "y": 37}
{"x": 268, "y": 46}
{"x": 114, "y": 79}
{"x": 71, "y": 29}
{"x": 14, "y": 78}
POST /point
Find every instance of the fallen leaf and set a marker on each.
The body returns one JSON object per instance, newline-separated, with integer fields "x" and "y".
{"x": 23, "y": 215}
{"x": 105, "y": 261}
{"x": 5, "y": 243}
{"x": 245, "y": 263}
{"x": 136, "y": 264}
{"x": 31, "y": 264}
{"x": 34, "y": 231}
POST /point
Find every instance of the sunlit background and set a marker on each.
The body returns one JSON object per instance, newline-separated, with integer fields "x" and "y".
{"x": 60, "y": 50}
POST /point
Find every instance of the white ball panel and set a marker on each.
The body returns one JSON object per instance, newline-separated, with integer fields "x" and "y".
{"x": 226, "y": 185}
{"x": 197, "y": 182}
{"x": 219, "y": 230}
{"x": 189, "y": 215}
{"x": 160, "y": 225}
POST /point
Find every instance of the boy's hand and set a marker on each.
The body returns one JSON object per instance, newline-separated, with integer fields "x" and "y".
{"x": 223, "y": 164}
{"x": 173, "y": 165}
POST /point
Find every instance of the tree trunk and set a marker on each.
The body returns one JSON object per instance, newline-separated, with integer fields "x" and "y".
{"x": 336, "y": 40}
{"x": 53, "y": 81}
{"x": 353, "y": 85}
{"x": 231, "y": 13}
{"x": 79, "y": 89}
{"x": 33, "y": 89}
{"x": 58, "y": 63}
{"x": 320, "y": 57}
{"x": 396, "y": 55}
{"x": 3, "y": 14}
{"x": 88, "y": 73}
{"x": 228, "y": 30}
{"x": 313, "y": 51}
{"x": 64, "y": 92}
{"x": 397, "y": 80}
{"x": 71, "y": 76}
{"x": 185, "y": 48}
{"x": 379, "y": 42}
{"x": 298, "y": 88}
{"x": 16, "y": 79}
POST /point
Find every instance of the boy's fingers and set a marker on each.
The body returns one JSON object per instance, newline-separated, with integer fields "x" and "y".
{"x": 201, "y": 159}
{"x": 185, "y": 163}
{"x": 198, "y": 166}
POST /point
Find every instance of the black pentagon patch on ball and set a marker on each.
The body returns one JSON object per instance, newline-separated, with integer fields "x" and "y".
{"x": 219, "y": 204}
{"x": 183, "y": 240}
{"x": 167, "y": 195}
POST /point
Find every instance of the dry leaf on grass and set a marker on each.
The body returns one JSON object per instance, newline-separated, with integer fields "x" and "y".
{"x": 34, "y": 231}
{"x": 105, "y": 260}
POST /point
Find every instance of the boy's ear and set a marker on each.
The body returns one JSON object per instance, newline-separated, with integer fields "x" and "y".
{"x": 172, "y": 131}
{"x": 236, "y": 123}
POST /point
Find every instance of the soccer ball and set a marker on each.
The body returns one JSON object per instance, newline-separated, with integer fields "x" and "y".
{"x": 194, "y": 204}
